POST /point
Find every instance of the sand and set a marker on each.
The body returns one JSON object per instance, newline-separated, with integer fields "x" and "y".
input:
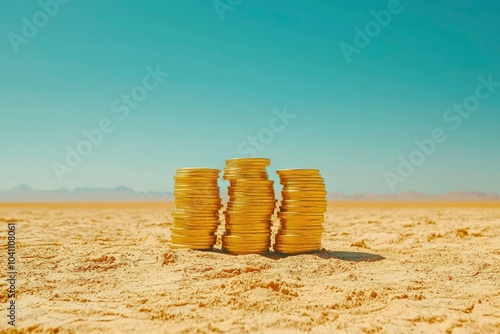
{"x": 385, "y": 269}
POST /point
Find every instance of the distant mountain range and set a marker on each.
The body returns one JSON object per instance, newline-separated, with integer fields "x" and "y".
{"x": 25, "y": 194}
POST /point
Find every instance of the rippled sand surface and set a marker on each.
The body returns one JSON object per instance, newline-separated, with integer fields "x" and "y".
{"x": 107, "y": 268}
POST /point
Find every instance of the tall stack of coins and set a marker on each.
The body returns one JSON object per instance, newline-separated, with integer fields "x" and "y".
{"x": 250, "y": 208}
{"x": 197, "y": 202}
{"x": 302, "y": 211}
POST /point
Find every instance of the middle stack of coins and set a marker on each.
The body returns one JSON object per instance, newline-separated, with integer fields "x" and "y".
{"x": 198, "y": 202}
{"x": 250, "y": 208}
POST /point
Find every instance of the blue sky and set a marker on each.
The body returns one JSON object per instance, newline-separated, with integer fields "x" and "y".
{"x": 352, "y": 120}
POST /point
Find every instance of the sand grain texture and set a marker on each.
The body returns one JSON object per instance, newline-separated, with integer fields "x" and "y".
{"x": 108, "y": 268}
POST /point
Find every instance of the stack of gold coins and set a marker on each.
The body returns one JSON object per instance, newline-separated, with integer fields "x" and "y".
{"x": 197, "y": 207}
{"x": 302, "y": 211}
{"x": 250, "y": 208}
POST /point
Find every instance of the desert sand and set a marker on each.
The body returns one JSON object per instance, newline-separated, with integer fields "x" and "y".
{"x": 385, "y": 268}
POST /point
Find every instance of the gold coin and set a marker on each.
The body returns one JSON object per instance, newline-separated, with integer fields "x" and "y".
{"x": 188, "y": 239}
{"x": 300, "y": 215}
{"x": 302, "y": 198}
{"x": 246, "y": 168}
{"x": 250, "y": 183}
{"x": 311, "y": 243}
{"x": 266, "y": 243}
{"x": 299, "y": 176}
{"x": 245, "y": 177}
{"x": 250, "y": 213}
{"x": 265, "y": 221}
{"x": 292, "y": 172}
{"x": 296, "y": 239}
{"x": 252, "y": 201}
{"x": 248, "y": 160}
{"x": 244, "y": 238}
{"x": 301, "y": 226}
{"x": 315, "y": 245}
{"x": 301, "y": 183}
{"x": 302, "y": 209}
{"x": 302, "y": 220}
{"x": 306, "y": 201}
{"x": 262, "y": 240}
{"x": 199, "y": 169}
{"x": 249, "y": 189}
{"x": 303, "y": 205}
{"x": 305, "y": 187}
{"x": 260, "y": 223}
{"x": 246, "y": 252}
{"x": 305, "y": 231}
{"x": 245, "y": 171}
{"x": 252, "y": 195}
{"x": 246, "y": 248}
{"x": 306, "y": 192}
{"x": 192, "y": 231}
{"x": 247, "y": 228}
{"x": 198, "y": 247}
{"x": 251, "y": 205}
{"x": 289, "y": 251}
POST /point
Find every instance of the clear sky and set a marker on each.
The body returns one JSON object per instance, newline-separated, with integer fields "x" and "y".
{"x": 228, "y": 68}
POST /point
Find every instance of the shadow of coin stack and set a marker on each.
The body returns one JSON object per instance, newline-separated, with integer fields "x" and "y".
{"x": 197, "y": 207}
{"x": 251, "y": 205}
{"x": 302, "y": 211}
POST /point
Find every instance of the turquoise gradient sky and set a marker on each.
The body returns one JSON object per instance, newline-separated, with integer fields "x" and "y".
{"x": 352, "y": 121}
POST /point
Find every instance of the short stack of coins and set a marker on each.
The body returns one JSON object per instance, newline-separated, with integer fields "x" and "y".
{"x": 251, "y": 205}
{"x": 197, "y": 208}
{"x": 302, "y": 211}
